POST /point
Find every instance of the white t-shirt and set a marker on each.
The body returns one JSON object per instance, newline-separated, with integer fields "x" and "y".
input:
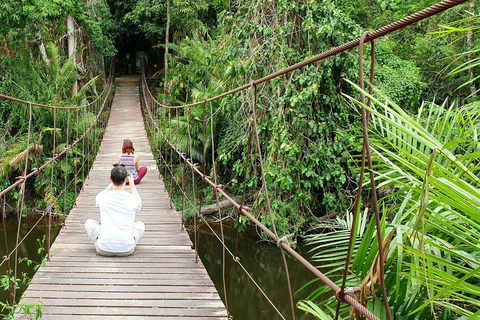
{"x": 117, "y": 213}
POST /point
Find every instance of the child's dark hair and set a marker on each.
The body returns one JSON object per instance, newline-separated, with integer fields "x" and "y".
{"x": 118, "y": 175}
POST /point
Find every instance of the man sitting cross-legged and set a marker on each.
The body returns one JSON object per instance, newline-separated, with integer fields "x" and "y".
{"x": 118, "y": 233}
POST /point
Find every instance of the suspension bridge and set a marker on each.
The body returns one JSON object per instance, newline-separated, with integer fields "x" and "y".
{"x": 164, "y": 278}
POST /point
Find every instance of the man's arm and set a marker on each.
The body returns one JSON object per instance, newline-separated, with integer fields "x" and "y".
{"x": 110, "y": 187}
{"x": 131, "y": 183}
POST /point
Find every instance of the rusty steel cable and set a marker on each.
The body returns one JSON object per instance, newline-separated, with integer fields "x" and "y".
{"x": 218, "y": 204}
{"x": 439, "y": 7}
{"x": 201, "y": 194}
{"x": 56, "y": 156}
{"x": 242, "y": 210}
{"x": 37, "y": 162}
{"x": 340, "y": 294}
{"x": 350, "y": 300}
{"x": 22, "y": 199}
{"x": 267, "y": 197}
{"x": 236, "y": 260}
{"x": 402, "y": 23}
{"x": 6, "y": 258}
{"x": 86, "y": 106}
{"x": 372, "y": 182}
{"x": 232, "y": 272}
{"x": 49, "y": 229}
{"x": 241, "y": 205}
{"x": 162, "y": 120}
{"x": 21, "y": 181}
{"x": 365, "y": 119}
{"x": 204, "y": 143}
{"x": 193, "y": 185}
{"x": 75, "y": 162}
{"x": 83, "y": 147}
{"x": 181, "y": 167}
{"x": 374, "y": 200}
{"x": 246, "y": 167}
{"x": 66, "y": 166}
{"x": 171, "y": 157}
{"x": 88, "y": 143}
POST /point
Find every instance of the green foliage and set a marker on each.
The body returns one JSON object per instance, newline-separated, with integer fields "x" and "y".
{"x": 465, "y": 62}
{"x": 188, "y": 18}
{"x": 47, "y": 84}
{"x": 101, "y": 30}
{"x": 419, "y": 44}
{"x": 8, "y": 282}
{"x": 425, "y": 168}
{"x": 29, "y": 309}
{"x": 41, "y": 21}
{"x": 306, "y": 173}
{"x": 399, "y": 79}
{"x": 149, "y": 17}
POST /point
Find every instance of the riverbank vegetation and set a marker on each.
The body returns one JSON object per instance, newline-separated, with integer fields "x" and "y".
{"x": 52, "y": 54}
{"x": 308, "y": 130}
{"x": 424, "y": 123}
{"x": 423, "y": 128}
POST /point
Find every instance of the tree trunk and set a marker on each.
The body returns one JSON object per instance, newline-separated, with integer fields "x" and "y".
{"x": 43, "y": 51}
{"x": 471, "y": 71}
{"x": 167, "y": 35}
{"x": 72, "y": 46}
{"x": 213, "y": 208}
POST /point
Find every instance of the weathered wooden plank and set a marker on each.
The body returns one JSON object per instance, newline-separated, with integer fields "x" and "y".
{"x": 153, "y": 230}
{"x": 153, "y": 281}
{"x": 181, "y": 239}
{"x": 128, "y": 303}
{"x": 81, "y": 254}
{"x": 126, "y": 270}
{"x": 207, "y": 296}
{"x": 121, "y": 317}
{"x": 132, "y": 276}
{"x": 143, "y": 248}
{"x": 58, "y": 263}
{"x": 124, "y": 317}
{"x": 127, "y": 288}
{"x": 147, "y": 311}
{"x": 77, "y": 225}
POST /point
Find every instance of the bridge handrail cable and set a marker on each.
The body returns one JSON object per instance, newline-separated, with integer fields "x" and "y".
{"x": 368, "y": 36}
{"x": 411, "y": 19}
{"x": 97, "y": 107}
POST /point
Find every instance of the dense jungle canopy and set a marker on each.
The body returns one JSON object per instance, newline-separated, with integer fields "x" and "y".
{"x": 423, "y": 126}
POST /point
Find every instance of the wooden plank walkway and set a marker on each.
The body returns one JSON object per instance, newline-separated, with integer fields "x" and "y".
{"x": 161, "y": 280}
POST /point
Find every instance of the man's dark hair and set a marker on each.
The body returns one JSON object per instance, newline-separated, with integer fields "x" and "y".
{"x": 118, "y": 175}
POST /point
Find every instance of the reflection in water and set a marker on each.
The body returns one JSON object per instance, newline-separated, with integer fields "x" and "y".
{"x": 264, "y": 263}
{"x": 29, "y": 248}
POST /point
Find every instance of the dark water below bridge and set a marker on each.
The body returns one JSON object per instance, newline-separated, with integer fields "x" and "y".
{"x": 32, "y": 248}
{"x": 261, "y": 259}
{"x": 264, "y": 262}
